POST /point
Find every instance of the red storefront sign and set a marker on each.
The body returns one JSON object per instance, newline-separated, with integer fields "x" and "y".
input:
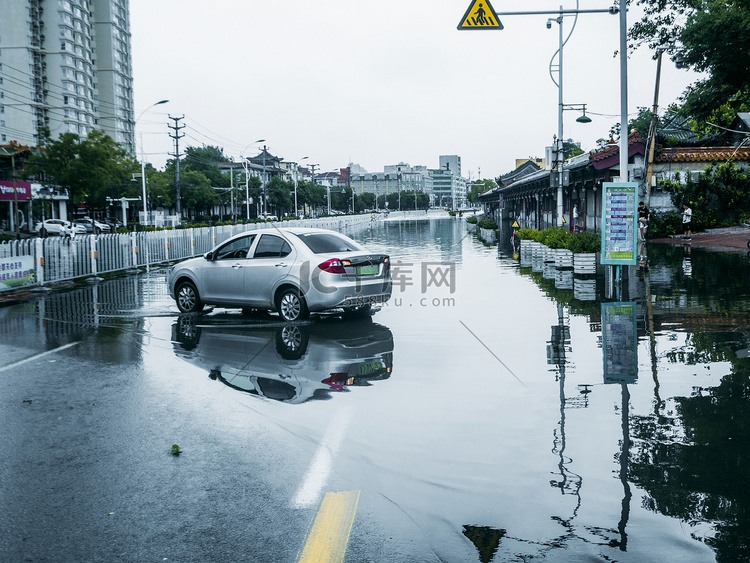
{"x": 23, "y": 189}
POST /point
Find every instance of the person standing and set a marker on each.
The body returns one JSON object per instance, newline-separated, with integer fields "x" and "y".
{"x": 574, "y": 225}
{"x": 687, "y": 219}
{"x": 643, "y": 217}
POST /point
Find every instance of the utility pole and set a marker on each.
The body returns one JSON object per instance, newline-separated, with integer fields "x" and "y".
{"x": 177, "y": 128}
{"x": 652, "y": 130}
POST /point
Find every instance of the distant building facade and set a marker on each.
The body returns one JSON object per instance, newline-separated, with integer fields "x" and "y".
{"x": 394, "y": 178}
{"x": 66, "y": 65}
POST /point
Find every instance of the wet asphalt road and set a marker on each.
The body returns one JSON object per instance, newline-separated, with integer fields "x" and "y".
{"x": 444, "y": 428}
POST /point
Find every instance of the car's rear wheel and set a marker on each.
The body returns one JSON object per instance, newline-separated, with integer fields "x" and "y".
{"x": 291, "y": 305}
{"x": 188, "y": 300}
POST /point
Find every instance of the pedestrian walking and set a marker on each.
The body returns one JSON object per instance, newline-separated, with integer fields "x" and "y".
{"x": 687, "y": 219}
{"x": 643, "y": 217}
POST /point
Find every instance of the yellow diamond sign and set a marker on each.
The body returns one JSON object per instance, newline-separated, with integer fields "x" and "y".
{"x": 480, "y": 15}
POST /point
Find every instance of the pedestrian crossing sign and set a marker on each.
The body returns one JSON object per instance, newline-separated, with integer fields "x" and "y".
{"x": 515, "y": 225}
{"x": 480, "y": 15}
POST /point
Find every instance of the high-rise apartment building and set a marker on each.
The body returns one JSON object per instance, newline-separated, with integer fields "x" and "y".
{"x": 66, "y": 65}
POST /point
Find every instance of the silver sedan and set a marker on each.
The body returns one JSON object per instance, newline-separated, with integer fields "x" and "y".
{"x": 293, "y": 271}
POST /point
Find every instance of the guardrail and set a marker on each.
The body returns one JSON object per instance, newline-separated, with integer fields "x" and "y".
{"x": 58, "y": 259}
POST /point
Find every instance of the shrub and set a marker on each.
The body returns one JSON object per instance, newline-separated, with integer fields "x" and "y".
{"x": 586, "y": 241}
{"x": 472, "y": 220}
{"x": 557, "y": 238}
{"x": 665, "y": 224}
{"x": 487, "y": 224}
{"x": 525, "y": 234}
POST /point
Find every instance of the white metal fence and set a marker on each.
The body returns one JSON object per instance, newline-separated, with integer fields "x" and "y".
{"x": 59, "y": 259}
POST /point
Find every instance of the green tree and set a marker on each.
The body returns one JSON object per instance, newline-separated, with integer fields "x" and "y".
{"x": 89, "y": 168}
{"x": 712, "y": 38}
{"x": 571, "y": 149}
{"x": 206, "y": 159}
{"x": 280, "y": 195}
{"x": 479, "y": 187}
{"x": 365, "y": 201}
{"x": 196, "y": 192}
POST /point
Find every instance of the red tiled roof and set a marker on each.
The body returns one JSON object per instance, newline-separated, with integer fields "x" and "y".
{"x": 612, "y": 150}
{"x": 702, "y": 154}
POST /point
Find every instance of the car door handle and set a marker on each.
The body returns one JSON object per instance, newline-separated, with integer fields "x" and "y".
{"x": 237, "y": 266}
{"x": 280, "y": 265}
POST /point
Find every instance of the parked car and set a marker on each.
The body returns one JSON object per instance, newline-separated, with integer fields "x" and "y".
{"x": 78, "y": 229}
{"x": 93, "y": 226}
{"x": 53, "y": 227}
{"x": 114, "y": 224}
{"x": 293, "y": 270}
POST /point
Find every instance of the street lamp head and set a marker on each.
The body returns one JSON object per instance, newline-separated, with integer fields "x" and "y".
{"x": 161, "y": 102}
{"x": 584, "y": 118}
{"x": 260, "y": 141}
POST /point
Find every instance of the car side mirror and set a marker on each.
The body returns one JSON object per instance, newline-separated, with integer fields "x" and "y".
{"x": 208, "y": 256}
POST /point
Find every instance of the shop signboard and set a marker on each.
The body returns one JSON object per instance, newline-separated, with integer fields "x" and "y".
{"x": 619, "y": 218}
{"x": 23, "y": 189}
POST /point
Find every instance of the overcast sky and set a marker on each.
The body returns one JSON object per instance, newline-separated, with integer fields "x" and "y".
{"x": 378, "y": 83}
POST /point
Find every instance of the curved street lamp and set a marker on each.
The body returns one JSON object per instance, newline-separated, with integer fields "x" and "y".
{"x": 143, "y": 159}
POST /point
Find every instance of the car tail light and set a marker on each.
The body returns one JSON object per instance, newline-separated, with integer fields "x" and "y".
{"x": 334, "y": 266}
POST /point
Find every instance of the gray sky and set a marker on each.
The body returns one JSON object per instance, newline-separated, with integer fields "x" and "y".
{"x": 378, "y": 83}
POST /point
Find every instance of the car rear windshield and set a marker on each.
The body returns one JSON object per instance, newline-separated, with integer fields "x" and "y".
{"x": 323, "y": 243}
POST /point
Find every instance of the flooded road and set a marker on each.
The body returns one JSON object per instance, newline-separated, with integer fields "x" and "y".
{"x": 493, "y": 410}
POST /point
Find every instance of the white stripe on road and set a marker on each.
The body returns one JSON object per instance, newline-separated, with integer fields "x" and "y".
{"x": 32, "y": 358}
{"x": 320, "y": 468}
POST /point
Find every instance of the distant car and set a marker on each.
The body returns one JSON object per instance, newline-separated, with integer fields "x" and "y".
{"x": 114, "y": 224}
{"x": 53, "y": 227}
{"x": 78, "y": 229}
{"x": 93, "y": 226}
{"x": 268, "y": 217}
{"x": 293, "y": 271}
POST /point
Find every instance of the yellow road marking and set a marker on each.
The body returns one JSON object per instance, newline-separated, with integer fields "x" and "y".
{"x": 329, "y": 534}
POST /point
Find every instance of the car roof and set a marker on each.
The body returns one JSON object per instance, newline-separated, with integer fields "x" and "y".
{"x": 285, "y": 230}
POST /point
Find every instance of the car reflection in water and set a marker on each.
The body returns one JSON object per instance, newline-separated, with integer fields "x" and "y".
{"x": 292, "y": 363}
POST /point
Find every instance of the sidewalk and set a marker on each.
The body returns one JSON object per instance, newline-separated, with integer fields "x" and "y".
{"x": 733, "y": 239}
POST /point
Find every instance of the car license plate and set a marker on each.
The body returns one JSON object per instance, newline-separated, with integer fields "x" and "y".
{"x": 369, "y": 368}
{"x": 367, "y": 270}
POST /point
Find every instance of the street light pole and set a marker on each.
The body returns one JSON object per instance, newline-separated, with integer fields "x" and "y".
{"x": 623, "y": 84}
{"x": 143, "y": 159}
{"x": 623, "y": 96}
